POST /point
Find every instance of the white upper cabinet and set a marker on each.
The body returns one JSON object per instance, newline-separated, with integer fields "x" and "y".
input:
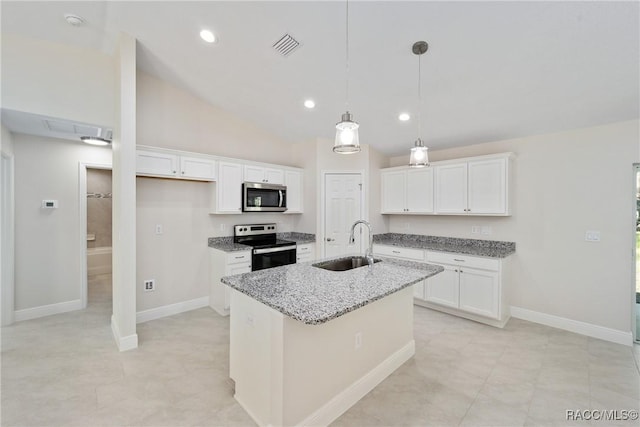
{"x": 407, "y": 191}
{"x": 228, "y": 191}
{"x": 293, "y": 181}
{"x": 253, "y": 173}
{"x": 176, "y": 165}
{"x": 477, "y": 186}
{"x": 156, "y": 164}
{"x": 451, "y": 188}
{"x": 197, "y": 168}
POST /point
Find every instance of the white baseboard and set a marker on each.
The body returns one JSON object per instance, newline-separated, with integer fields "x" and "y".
{"x": 588, "y": 329}
{"x": 47, "y": 310}
{"x": 124, "y": 343}
{"x": 171, "y": 309}
{"x": 337, "y": 406}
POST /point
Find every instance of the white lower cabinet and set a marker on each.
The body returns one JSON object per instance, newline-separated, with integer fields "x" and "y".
{"x": 305, "y": 252}
{"x": 404, "y": 253}
{"x": 470, "y": 285}
{"x": 225, "y": 264}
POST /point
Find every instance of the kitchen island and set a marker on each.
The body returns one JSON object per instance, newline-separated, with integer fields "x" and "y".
{"x": 308, "y": 343}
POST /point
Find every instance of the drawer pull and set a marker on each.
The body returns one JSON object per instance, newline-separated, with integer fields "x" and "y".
{"x": 240, "y": 257}
{"x": 459, "y": 260}
{"x": 395, "y": 252}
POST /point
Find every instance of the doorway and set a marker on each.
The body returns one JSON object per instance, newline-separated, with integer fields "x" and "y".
{"x": 96, "y": 210}
{"x": 342, "y": 205}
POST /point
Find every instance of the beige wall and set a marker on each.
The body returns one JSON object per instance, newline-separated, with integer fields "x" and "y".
{"x": 564, "y": 184}
{"x": 6, "y": 141}
{"x": 57, "y": 80}
{"x": 47, "y": 241}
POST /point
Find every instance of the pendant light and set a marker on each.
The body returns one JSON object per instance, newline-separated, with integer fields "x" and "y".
{"x": 419, "y": 156}
{"x": 98, "y": 140}
{"x": 347, "y": 141}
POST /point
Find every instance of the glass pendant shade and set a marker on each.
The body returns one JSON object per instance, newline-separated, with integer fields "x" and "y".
{"x": 347, "y": 141}
{"x": 419, "y": 157}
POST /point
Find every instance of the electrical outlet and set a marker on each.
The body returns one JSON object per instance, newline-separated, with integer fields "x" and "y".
{"x": 358, "y": 340}
{"x": 406, "y": 225}
{"x": 485, "y": 229}
{"x": 158, "y": 228}
{"x": 475, "y": 229}
{"x": 150, "y": 285}
{"x": 223, "y": 227}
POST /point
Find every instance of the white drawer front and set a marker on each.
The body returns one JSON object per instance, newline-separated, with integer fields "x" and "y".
{"x": 464, "y": 260}
{"x": 398, "y": 252}
{"x": 238, "y": 257}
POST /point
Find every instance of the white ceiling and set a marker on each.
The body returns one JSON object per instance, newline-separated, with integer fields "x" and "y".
{"x": 494, "y": 70}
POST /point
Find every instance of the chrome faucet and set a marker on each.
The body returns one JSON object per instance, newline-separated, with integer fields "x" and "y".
{"x": 368, "y": 254}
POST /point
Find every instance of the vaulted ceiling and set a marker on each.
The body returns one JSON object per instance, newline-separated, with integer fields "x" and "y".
{"x": 494, "y": 70}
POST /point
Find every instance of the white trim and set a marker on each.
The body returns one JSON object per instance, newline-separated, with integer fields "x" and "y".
{"x": 634, "y": 309}
{"x": 171, "y": 309}
{"x": 7, "y": 227}
{"x": 47, "y": 310}
{"x": 583, "y": 328}
{"x": 344, "y": 400}
{"x": 364, "y": 208}
{"x": 124, "y": 343}
{"x": 82, "y": 215}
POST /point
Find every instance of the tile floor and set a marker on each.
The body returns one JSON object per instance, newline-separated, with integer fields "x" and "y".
{"x": 65, "y": 370}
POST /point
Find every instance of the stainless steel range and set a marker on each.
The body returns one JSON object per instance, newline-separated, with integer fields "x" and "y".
{"x": 268, "y": 251}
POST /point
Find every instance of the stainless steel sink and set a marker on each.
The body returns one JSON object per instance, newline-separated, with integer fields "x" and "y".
{"x": 344, "y": 264}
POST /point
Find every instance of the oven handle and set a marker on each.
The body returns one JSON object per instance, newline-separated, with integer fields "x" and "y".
{"x": 271, "y": 250}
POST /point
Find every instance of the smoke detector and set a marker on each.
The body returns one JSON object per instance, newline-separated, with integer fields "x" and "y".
{"x": 74, "y": 20}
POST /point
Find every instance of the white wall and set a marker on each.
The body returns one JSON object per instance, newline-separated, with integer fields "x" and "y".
{"x": 57, "y": 80}
{"x": 6, "y": 141}
{"x": 47, "y": 256}
{"x": 179, "y": 258}
{"x": 565, "y": 184}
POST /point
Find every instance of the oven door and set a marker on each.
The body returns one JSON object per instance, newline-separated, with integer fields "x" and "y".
{"x": 273, "y": 257}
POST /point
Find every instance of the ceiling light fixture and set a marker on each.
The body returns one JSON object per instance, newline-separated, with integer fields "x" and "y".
{"x": 403, "y": 117}
{"x": 310, "y": 103}
{"x": 74, "y": 20}
{"x": 419, "y": 156}
{"x": 98, "y": 140}
{"x": 347, "y": 141}
{"x": 207, "y": 36}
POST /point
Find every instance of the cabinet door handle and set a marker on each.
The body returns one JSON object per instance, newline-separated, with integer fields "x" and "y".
{"x": 461, "y": 271}
{"x": 182, "y": 172}
{"x": 329, "y": 239}
{"x": 174, "y": 171}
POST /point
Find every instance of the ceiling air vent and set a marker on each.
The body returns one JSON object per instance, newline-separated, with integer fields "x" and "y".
{"x": 286, "y": 45}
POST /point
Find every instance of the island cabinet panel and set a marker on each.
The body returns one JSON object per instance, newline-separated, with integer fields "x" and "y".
{"x": 225, "y": 264}
{"x": 290, "y": 373}
{"x": 471, "y": 287}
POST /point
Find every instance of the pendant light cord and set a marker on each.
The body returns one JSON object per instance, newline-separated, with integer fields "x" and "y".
{"x": 346, "y": 104}
{"x": 419, "y": 94}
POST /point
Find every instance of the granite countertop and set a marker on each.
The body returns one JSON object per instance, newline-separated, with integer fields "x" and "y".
{"x": 313, "y": 295}
{"x": 484, "y": 248}
{"x": 226, "y": 244}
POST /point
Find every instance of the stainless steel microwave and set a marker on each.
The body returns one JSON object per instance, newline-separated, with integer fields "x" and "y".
{"x": 261, "y": 197}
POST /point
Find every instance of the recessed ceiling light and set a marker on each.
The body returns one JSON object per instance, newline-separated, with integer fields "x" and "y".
{"x": 309, "y": 103}
{"x": 207, "y": 36}
{"x": 403, "y": 117}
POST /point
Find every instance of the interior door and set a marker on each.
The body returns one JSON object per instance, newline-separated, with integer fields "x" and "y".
{"x": 342, "y": 198}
